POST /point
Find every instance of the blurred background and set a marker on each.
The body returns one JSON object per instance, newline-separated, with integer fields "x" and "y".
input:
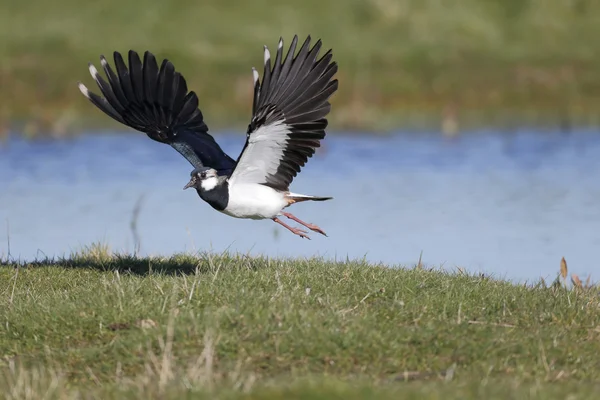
{"x": 464, "y": 132}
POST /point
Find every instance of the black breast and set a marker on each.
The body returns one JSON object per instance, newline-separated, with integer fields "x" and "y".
{"x": 218, "y": 198}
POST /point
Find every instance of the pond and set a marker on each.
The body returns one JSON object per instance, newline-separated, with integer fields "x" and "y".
{"x": 509, "y": 204}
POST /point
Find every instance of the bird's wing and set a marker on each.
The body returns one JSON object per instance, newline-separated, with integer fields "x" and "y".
{"x": 157, "y": 102}
{"x": 288, "y": 115}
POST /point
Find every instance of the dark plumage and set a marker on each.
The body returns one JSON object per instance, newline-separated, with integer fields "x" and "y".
{"x": 158, "y": 103}
{"x": 288, "y": 122}
{"x": 295, "y": 91}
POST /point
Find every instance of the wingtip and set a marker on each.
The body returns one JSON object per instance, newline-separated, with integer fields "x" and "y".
{"x": 280, "y": 45}
{"x": 255, "y": 75}
{"x": 307, "y": 41}
{"x": 93, "y": 70}
{"x": 148, "y": 56}
{"x": 133, "y": 55}
{"x": 267, "y": 55}
{"x": 84, "y": 90}
{"x": 103, "y": 61}
{"x": 297, "y": 38}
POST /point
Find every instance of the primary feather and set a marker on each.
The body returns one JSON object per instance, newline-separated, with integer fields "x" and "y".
{"x": 288, "y": 115}
{"x": 156, "y": 101}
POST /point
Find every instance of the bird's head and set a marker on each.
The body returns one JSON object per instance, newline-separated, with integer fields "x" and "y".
{"x": 203, "y": 178}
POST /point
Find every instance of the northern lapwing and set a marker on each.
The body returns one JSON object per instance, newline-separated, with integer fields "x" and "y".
{"x": 288, "y": 122}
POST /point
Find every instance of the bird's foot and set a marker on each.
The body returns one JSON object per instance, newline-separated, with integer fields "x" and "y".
{"x": 312, "y": 227}
{"x": 295, "y": 231}
{"x": 315, "y": 228}
{"x": 300, "y": 232}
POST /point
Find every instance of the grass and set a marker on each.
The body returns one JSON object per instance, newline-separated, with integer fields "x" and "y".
{"x": 229, "y": 326}
{"x": 403, "y": 63}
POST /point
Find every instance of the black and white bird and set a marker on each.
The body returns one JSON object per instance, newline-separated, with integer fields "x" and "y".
{"x": 288, "y": 122}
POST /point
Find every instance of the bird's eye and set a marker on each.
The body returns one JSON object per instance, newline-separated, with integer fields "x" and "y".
{"x": 203, "y": 175}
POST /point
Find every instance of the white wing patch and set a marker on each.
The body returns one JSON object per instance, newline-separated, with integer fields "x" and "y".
{"x": 262, "y": 155}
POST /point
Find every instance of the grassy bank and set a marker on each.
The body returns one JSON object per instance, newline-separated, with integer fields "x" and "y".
{"x": 404, "y": 63}
{"x": 239, "y": 327}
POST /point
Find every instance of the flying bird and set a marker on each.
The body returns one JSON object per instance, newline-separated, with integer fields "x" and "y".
{"x": 288, "y": 122}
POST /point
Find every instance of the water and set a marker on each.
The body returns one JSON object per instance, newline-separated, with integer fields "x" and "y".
{"x": 510, "y": 205}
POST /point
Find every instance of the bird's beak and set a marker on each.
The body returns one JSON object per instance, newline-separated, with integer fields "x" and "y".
{"x": 189, "y": 184}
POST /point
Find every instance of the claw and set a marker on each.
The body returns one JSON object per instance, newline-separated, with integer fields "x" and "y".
{"x": 300, "y": 233}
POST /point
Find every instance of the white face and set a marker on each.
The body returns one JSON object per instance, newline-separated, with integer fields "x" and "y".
{"x": 208, "y": 179}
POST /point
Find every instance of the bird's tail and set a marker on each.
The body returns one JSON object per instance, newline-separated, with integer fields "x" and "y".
{"x": 297, "y": 198}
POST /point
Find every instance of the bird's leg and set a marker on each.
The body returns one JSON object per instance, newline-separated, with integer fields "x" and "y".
{"x": 312, "y": 227}
{"x": 295, "y": 231}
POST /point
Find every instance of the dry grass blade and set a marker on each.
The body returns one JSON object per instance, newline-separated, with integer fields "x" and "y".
{"x": 576, "y": 281}
{"x": 564, "y": 271}
{"x": 588, "y": 282}
{"x": 419, "y": 375}
{"x": 420, "y": 264}
{"x": 492, "y": 324}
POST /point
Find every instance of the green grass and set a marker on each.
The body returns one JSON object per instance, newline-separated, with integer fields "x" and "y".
{"x": 403, "y": 63}
{"x": 230, "y": 326}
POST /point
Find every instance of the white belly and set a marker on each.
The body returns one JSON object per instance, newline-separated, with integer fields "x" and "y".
{"x": 254, "y": 201}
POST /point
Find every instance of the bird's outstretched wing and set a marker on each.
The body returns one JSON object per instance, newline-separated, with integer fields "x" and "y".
{"x": 157, "y": 102}
{"x": 288, "y": 115}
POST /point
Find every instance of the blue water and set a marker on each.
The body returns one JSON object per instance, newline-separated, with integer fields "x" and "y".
{"x": 507, "y": 204}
